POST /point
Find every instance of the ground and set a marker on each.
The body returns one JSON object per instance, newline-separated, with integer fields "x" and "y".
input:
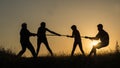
{"x": 79, "y": 61}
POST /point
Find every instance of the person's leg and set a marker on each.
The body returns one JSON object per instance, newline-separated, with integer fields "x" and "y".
{"x": 94, "y": 49}
{"x": 38, "y": 46}
{"x": 98, "y": 46}
{"x": 74, "y": 46}
{"x": 31, "y": 48}
{"x": 22, "y": 51}
{"x": 47, "y": 46}
{"x": 91, "y": 52}
{"x": 80, "y": 46}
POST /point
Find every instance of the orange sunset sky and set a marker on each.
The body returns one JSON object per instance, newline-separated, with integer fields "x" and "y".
{"x": 59, "y": 16}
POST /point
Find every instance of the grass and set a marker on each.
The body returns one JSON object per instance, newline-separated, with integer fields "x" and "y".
{"x": 10, "y": 60}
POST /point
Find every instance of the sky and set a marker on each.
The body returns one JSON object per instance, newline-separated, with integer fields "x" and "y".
{"x": 59, "y": 16}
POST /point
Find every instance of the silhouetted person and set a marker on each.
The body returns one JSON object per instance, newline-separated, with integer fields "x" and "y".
{"x": 24, "y": 40}
{"x": 41, "y": 34}
{"x": 104, "y": 38}
{"x": 77, "y": 39}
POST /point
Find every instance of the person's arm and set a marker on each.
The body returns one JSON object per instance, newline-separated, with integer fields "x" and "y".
{"x": 53, "y": 32}
{"x": 32, "y": 34}
{"x": 71, "y": 36}
{"x": 93, "y": 38}
{"x": 90, "y": 37}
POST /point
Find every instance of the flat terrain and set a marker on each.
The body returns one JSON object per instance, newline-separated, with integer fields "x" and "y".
{"x": 8, "y": 60}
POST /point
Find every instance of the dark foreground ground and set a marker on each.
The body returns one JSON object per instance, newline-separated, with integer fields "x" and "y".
{"x": 101, "y": 61}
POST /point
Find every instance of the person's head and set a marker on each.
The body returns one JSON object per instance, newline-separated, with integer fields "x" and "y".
{"x": 73, "y": 27}
{"x": 100, "y": 27}
{"x": 43, "y": 24}
{"x": 24, "y": 25}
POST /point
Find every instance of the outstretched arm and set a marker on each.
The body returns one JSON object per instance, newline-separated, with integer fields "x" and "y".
{"x": 89, "y": 37}
{"x": 33, "y": 34}
{"x": 53, "y": 32}
{"x": 92, "y": 38}
{"x": 71, "y": 36}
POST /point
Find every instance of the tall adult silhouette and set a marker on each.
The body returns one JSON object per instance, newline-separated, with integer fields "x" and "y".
{"x": 103, "y": 36}
{"x": 41, "y": 34}
{"x": 24, "y": 40}
{"x": 77, "y": 39}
